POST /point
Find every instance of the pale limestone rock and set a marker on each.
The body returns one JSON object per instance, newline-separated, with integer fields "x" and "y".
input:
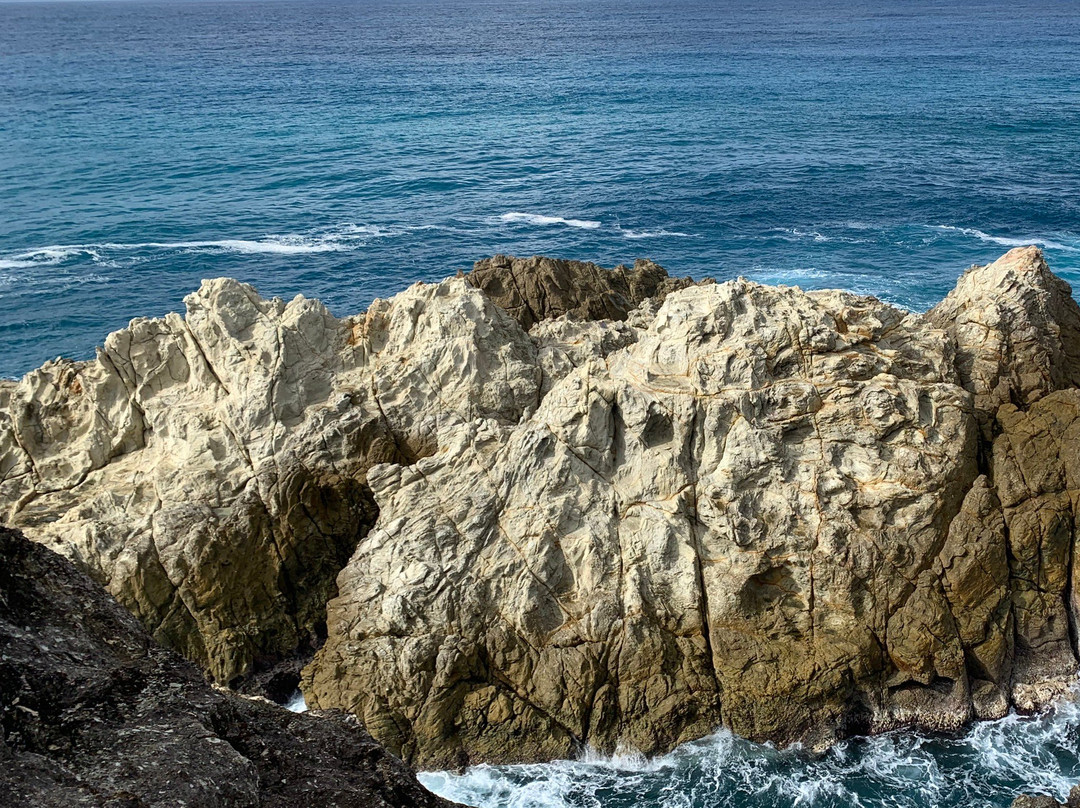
{"x": 747, "y": 506}
{"x": 1017, "y": 331}
{"x": 717, "y": 523}
{"x": 210, "y": 471}
{"x": 794, "y": 514}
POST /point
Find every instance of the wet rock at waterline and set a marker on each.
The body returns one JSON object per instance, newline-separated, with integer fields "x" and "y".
{"x": 797, "y": 515}
{"x": 94, "y": 713}
{"x": 1048, "y": 802}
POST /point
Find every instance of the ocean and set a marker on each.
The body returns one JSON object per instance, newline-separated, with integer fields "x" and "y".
{"x": 344, "y": 150}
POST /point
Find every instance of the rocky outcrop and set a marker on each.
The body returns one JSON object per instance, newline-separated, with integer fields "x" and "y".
{"x": 535, "y": 289}
{"x": 798, "y": 515}
{"x": 759, "y": 507}
{"x": 1043, "y": 801}
{"x": 1016, "y": 330}
{"x": 210, "y": 471}
{"x": 94, "y": 713}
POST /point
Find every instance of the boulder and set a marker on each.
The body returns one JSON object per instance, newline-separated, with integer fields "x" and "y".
{"x": 535, "y": 289}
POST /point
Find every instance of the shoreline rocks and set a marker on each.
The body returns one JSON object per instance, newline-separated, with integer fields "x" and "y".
{"x": 662, "y": 508}
{"x": 94, "y": 713}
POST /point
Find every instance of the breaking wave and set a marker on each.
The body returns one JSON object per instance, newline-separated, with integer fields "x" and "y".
{"x": 517, "y": 217}
{"x": 986, "y": 767}
{"x": 1006, "y": 241}
{"x": 339, "y": 239}
{"x": 296, "y": 703}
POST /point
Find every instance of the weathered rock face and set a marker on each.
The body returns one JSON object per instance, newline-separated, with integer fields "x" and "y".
{"x": 794, "y": 514}
{"x": 534, "y": 289}
{"x": 94, "y": 713}
{"x": 1016, "y": 329}
{"x": 732, "y": 520}
{"x": 758, "y": 507}
{"x": 211, "y": 471}
{"x": 1073, "y": 801}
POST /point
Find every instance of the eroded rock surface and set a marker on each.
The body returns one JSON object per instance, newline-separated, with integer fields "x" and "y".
{"x": 210, "y": 470}
{"x": 535, "y": 289}
{"x": 657, "y": 511}
{"x": 1043, "y": 801}
{"x": 94, "y": 713}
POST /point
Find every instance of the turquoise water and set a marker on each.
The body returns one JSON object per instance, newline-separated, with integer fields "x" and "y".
{"x": 346, "y": 149}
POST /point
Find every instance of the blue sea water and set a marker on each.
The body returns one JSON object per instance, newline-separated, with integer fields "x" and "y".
{"x": 346, "y": 149}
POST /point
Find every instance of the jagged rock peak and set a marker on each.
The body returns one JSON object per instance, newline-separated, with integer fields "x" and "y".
{"x": 94, "y": 713}
{"x": 1017, "y": 330}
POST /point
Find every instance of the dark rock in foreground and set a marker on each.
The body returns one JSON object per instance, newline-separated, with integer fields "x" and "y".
{"x": 95, "y": 713}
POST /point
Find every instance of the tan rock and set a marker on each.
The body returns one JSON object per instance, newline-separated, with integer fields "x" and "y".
{"x": 795, "y": 514}
{"x": 535, "y": 289}
{"x": 210, "y": 471}
{"x": 1017, "y": 331}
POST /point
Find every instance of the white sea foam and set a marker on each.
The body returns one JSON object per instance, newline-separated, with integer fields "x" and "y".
{"x": 517, "y": 217}
{"x": 297, "y": 703}
{"x": 796, "y": 234}
{"x": 986, "y": 766}
{"x": 53, "y": 254}
{"x": 342, "y": 238}
{"x": 640, "y": 234}
{"x": 1007, "y": 241}
{"x": 773, "y": 275}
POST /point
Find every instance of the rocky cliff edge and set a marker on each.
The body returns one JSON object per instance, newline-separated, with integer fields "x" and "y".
{"x": 94, "y": 713}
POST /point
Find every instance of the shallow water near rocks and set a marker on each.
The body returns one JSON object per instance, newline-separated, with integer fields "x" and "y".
{"x": 988, "y": 765}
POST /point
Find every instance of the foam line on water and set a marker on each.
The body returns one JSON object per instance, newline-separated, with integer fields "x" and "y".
{"x": 541, "y": 220}
{"x": 661, "y": 233}
{"x": 1006, "y": 241}
{"x": 986, "y": 766}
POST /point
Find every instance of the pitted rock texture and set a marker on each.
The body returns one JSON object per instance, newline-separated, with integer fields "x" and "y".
{"x": 94, "y": 713}
{"x": 1017, "y": 331}
{"x": 756, "y": 507}
{"x": 1043, "y": 801}
{"x": 794, "y": 514}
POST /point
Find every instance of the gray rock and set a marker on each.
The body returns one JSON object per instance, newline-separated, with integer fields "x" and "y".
{"x": 94, "y": 713}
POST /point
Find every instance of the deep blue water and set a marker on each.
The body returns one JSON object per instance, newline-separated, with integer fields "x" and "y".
{"x": 346, "y": 149}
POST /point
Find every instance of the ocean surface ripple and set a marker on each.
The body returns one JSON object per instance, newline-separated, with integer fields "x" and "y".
{"x": 344, "y": 149}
